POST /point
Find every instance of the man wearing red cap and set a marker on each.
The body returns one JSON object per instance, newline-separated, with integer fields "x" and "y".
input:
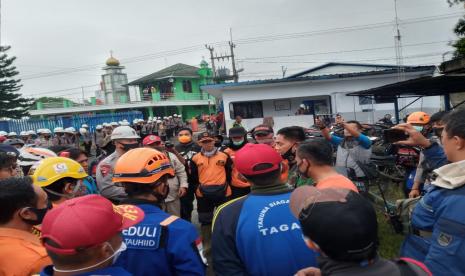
{"x": 82, "y": 236}
{"x": 178, "y": 184}
{"x": 257, "y": 234}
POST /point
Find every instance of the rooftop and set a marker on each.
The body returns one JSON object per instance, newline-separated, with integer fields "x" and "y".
{"x": 177, "y": 70}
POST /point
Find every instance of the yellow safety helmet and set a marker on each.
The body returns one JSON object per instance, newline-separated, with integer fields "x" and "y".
{"x": 53, "y": 169}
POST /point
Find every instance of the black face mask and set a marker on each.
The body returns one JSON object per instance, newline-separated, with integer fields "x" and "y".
{"x": 128, "y": 147}
{"x": 40, "y": 213}
{"x": 289, "y": 155}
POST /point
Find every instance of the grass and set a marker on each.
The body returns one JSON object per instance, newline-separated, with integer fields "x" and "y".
{"x": 390, "y": 242}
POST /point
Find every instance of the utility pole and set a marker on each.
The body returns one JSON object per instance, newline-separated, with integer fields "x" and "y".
{"x": 283, "y": 69}
{"x": 211, "y": 49}
{"x": 235, "y": 75}
{"x": 82, "y": 90}
{"x": 213, "y": 57}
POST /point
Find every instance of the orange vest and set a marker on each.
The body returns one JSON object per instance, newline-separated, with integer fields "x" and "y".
{"x": 211, "y": 170}
{"x": 237, "y": 179}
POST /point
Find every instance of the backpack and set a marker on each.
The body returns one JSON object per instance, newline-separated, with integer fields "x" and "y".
{"x": 405, "y": 209}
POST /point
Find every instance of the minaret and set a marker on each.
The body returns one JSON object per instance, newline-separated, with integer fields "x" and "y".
{"x": 114, "y": 81}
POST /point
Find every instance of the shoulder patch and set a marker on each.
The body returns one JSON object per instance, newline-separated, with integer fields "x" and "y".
{"x": 444, "y": 239}
{"x": 105, "y": 169}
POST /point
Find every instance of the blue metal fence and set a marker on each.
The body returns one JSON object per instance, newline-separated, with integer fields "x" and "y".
{"x": 75, "y": 121}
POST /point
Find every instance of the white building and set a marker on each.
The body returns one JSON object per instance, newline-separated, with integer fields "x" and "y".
{"x": 323, "y": 90}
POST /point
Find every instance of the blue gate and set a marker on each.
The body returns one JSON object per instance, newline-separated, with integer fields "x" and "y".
{"x": 75, "y": 121}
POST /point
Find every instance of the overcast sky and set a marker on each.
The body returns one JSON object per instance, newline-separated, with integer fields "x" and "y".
{"x": 56, "y": 36}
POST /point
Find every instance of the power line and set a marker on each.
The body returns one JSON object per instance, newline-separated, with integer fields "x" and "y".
{"x": 249, "y": 40}
{"x": 342, "y": 51}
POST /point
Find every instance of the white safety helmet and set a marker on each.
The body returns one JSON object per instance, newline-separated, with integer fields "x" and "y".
{"x": 12, "y": 134}
{"x": 31, "y": 132}
{"x": 98, "y": 127}
{"x": 85, "y": 126}
{"x": 175, "y": 115}
{"x": 58, "y": 130}
{"x": 150, "y": 118}
{"x": 124, "y": 123}
{"x": 179, "y": 116}
{"x": 114, "y": 124}
{"x": 170, "y": 117}
{"x": 302, "y": 106}
{"x": 70, "y": 130}
{"x": 159, "y": 121}
{"x": 124, "y": 132}
{"x": 3, "y": 133}
{"x": 82, "y": 131}
{"x": 30, "y": 155}
{"x": 46, "y": 131}
{"x": 135, "y": 121}
{"x": 23, "y": 133}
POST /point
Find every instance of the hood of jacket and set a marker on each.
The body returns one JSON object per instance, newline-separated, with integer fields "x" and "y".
{"x": 450, "y": 176}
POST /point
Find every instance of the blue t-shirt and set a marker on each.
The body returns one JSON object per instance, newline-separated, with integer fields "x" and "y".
{"x": 265, "y": 239}
{"x": 113, "y": 271}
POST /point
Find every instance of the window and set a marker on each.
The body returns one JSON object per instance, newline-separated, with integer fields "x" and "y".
{"x": 187, "y": 86}
{"x": 247, "y": 110}
{"x": 365, "y": 100}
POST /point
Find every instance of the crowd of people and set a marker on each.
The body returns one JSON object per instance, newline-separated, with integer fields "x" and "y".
{"x": 128, "y": 199}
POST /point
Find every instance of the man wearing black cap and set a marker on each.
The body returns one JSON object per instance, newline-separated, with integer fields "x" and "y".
{"x": 237, "y": 140}
{"x": 8, "y": 158}
{"x": 349, "y": 243}
{"x": 257, "y": 234}
{"x": 263, "y": 134}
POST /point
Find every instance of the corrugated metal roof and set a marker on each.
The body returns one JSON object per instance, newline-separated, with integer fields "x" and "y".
{"x": 177, "y": 70}
{"x": 390, "y": 70}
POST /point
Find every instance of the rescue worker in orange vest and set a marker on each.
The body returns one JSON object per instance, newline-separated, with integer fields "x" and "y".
{"x": 22, "y": 206}
{"x": 237, "y": 139}
{"x": 211, "y": 173}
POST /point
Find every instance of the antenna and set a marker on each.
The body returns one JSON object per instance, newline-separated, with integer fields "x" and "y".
{"x": 398, "y": 46}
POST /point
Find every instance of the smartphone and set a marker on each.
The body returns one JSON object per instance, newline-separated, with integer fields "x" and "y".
{"x": 394, "y": 135}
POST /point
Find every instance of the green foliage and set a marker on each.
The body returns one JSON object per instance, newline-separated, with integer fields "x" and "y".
{"x": 459, "y": 30}
{"x": 12, "y": 105}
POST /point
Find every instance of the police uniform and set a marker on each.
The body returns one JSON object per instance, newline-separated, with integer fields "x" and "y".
{"x": 41, "y": 142}
{"x": 161, "y": 245}
{"x": 105, "y": 170}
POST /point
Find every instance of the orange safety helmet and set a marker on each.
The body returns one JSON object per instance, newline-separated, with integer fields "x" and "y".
{"x": 419, "y": 117}
{"x": 142, "y": 165}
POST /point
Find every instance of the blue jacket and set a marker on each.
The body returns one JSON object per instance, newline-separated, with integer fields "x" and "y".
{"x": 113, "y": 271}
{"x": 154, "y": 249}
{"x": 440, "y": 216}
{"x": 258, "y": 235}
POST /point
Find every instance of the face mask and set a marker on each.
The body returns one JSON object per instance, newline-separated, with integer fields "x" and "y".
{"x": 128, "y": 147}
{"x": 184, "y": 139}
{"x": 418, "y": 128}
{"x": 115, "y": 257}
{"x": 40, "y": 214}
{"x": 238, "y": 143}
{"x": 289, "y": 155}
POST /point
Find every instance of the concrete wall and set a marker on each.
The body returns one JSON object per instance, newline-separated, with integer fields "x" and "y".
{"x": 337, "y": 89}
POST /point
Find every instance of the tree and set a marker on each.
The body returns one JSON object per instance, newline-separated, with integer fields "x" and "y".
{"x": 12, "y": 104}
{"x": 459, "y": 30}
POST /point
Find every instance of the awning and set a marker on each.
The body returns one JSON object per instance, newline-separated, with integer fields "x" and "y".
{"x": 420, "y": 87}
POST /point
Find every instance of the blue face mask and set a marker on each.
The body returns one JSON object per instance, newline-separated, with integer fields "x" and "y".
{"x": 418, "y": 128}
{"x": 238, "y": 143}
